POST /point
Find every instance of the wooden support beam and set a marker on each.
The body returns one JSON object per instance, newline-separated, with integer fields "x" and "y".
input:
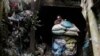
{"x": 84, "y": 8}
{"x": 93, "y": 29}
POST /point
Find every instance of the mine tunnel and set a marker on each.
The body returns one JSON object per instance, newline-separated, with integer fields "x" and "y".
{"x": 48, "y": 12}
{"x": 47, "y": 15}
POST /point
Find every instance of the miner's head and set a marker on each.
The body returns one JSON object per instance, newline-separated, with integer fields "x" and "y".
{"x": 59, "y": 17}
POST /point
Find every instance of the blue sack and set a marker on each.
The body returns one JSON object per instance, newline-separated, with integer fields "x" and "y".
{"x": 66, "y": 24}
{"x": 57, "y": 49}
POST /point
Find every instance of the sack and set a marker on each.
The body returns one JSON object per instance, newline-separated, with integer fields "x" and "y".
{"x": 71, "y": 33}
{"x": 73, "y": 28}
{"x": 66, "y": 23}
{"x": 58, "y": 47}
{"x": 58, "y": 32}
{"x": 65, "y": 28}
{"x": 58, "y": 29}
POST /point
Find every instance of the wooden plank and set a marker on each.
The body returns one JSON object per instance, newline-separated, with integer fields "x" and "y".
{"x": 93, "y": 30}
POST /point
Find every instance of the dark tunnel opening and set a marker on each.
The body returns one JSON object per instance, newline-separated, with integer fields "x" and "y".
{"x": 48, "y": 14}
